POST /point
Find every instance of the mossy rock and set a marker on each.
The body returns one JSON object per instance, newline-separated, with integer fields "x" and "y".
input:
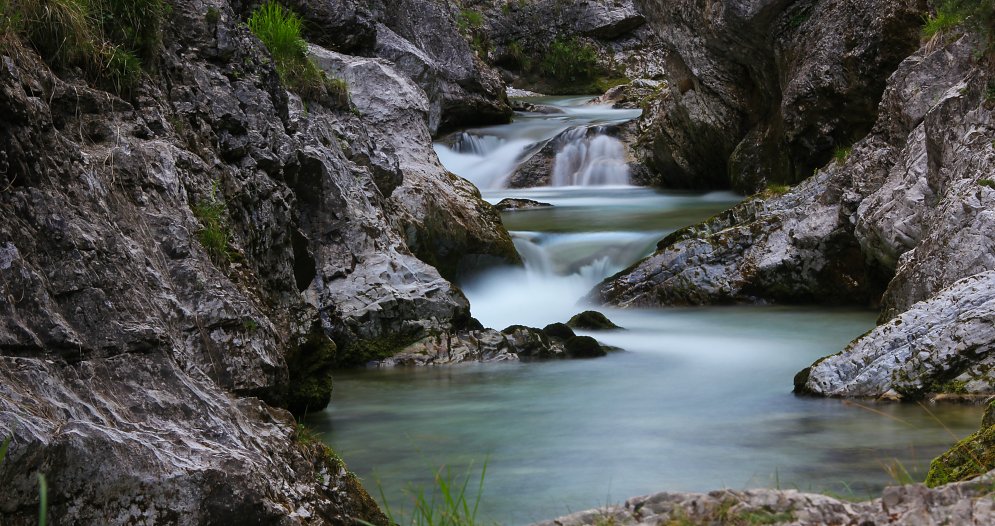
{"x": 592, "y": 320}
{"x": 559, "y": 330}
{"x": 973, "y": 456}
{"x": 309, "y": 367}
{"x": 361, "y": 352}
{"x": 584, "y": 347}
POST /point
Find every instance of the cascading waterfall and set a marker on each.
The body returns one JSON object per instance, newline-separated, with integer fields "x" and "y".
{"x": 586, "y": 160}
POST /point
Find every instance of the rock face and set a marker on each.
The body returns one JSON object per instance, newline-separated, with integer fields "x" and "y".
{"x": 904, "y": 217}
{"x": 765, "y": 90}
{"x": 179, "y": 265}
{"x": 962, "y": 503}
{"x": 422, "y": 39}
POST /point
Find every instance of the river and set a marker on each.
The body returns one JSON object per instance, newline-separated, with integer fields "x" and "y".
{"x": 699, "y": 400}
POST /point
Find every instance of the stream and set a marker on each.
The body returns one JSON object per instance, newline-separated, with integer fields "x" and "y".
{"x": 700, "y": 399}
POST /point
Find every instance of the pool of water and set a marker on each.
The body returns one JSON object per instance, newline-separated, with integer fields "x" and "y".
{"x": 699, "y": 399}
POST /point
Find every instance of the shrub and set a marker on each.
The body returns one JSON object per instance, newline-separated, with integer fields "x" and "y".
{"x": 569, "y": 59}
{"x": 136, "y": 25}
{"x": 280, "y": 31}
{"x": 975, "y": 14}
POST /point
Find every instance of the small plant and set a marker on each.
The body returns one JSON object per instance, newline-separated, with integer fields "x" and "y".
{"x": 213, "y": 15}
{"x": 42, "y": 485}
{"x": 213, "y": 234}
{"x": 775, "y": 189}
{"x": 468, "y": 19}
{"x": 842, "y": 153}
{"x": 987, "y": 182}
{"x": 280, "y": 31}
{"x": 449, "y": 503}
{"x": 947, "y": 17}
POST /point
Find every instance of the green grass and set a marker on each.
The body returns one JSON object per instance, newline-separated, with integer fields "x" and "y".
{"x": 987, "y": 182}
{"x": 214, "y": 234}
{"x": 945, "y": 19}
{"x": 777, "y": 189}
{"x": 468, "y": 19}
{"x": 842, "y": 153}
{"x": 111, "y": 41}
{"x": 451, "y": 501}
{"x": 280, "y": 31}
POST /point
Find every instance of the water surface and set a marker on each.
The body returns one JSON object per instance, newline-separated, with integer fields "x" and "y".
{"x": 699, "y": 400}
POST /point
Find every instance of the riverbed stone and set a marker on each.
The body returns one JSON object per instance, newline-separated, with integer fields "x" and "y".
{"x": 591, "y": 320}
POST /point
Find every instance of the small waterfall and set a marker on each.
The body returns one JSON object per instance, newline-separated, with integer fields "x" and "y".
{"x": 587, "y": 159}
{"x": 473, "y": 144}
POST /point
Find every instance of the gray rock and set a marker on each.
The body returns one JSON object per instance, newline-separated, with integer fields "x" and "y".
{"x": 942, "y": 344}
{"x": 421, "y": 38}
{"x": 765, "y": 90}
{"x": 962, "y": 503}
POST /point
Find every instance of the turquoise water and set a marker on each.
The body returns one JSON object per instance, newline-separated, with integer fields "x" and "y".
{"x": 699, "y": 400}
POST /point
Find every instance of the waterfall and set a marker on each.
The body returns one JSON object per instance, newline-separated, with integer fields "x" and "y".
{"x": 587, "y": 159}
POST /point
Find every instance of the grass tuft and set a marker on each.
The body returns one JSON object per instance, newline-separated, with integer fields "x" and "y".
{"x": 569, "y": 59}
{"x": 214, "y": 233}
{"x": 842, "y": 153}
{"x": 947, "y": 18}
{"x": 280, "y": 31}
{"x": 451, "y": 501}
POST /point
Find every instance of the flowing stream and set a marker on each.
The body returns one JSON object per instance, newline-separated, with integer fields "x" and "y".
{"x": 700, "y": 399}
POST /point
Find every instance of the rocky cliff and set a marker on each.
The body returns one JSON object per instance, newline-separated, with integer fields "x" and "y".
{"x": 185, "y": 257}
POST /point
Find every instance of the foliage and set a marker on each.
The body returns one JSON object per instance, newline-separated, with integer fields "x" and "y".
{"x": 280, "y": 31}
{"x": 987, "y": 182}
{"x": 774, "y": 189}
{"x": 448, "y": 503}
{"x": 974, "y": 14}
{"x": 569, "y": 59}
{"x": 110, "y": 40}
{"x": 469, "y": 19}
{"x": 842, "y": 153}
{"x": 945, "y": 19}
{"x": 214, "y": 233}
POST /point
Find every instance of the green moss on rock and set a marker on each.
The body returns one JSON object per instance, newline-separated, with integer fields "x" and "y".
{"x": 310, "y": 367}
{"x": 558, "y": 330}
{"x": 973, "y": 456}
{"x": 361, "y": 352}
{"x": 584, "y": 347}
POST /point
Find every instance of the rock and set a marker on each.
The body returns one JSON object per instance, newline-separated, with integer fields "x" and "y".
{"x": 942, "y": 344}
{"x": 632, "y": 95}
{"x": 528, "y": 107}
{"x": 558, "y": 330}
{"x": 510, "y": 204}
{"x": 591, "y": 320}
{"x": 346, "y": 26}
{"x": 421, "y": 38}
{"x": 441, "y": 217}
{"x": 583, "y": 347}
{"x": 572, "y": 149}
{"x": 745, "y": 107}
{"x": 961, "y": 503}
{"x": 179, "y": 267}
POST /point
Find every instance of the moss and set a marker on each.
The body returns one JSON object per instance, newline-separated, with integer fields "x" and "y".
{"x": 987, "y": 182}
{"x": 603, "y": 84}
{"x": 972, "y": 456}
{"x": 331, "y": 470}
{"x": 774, "y": 190}
{"x": 309, "y": 367}
{"x": 361, "y": 352}
{"x": 842, "y": 153}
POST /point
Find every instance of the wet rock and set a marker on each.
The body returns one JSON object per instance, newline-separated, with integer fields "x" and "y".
{"x": 635, "y": 94}
{"x": 511, "y": 204}
{"x": 591, "y": 320}
{"x": 582, "y": 155}
{"x": 583, "y": 347}
{"x": 558, "y": 330}
{"x": 528, "y": 107}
